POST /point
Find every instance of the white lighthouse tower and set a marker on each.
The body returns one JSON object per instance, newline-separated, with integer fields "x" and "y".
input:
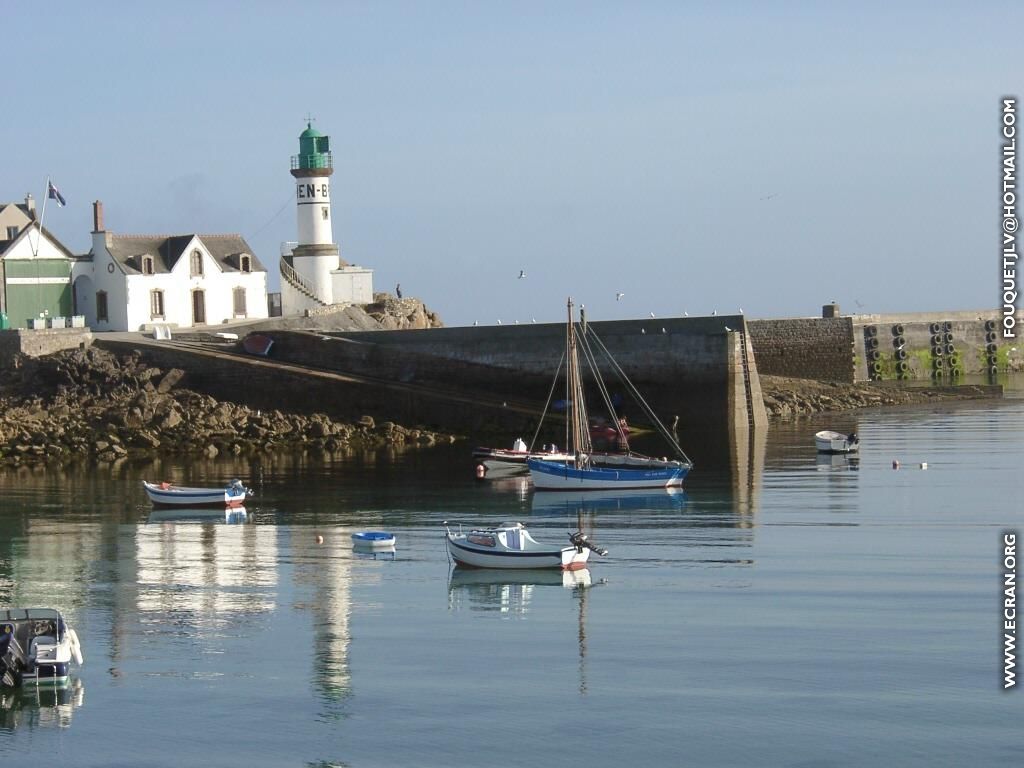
{"x": 313, "y": 275}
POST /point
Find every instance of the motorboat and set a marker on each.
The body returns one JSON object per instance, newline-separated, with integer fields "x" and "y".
{"x": 36, "y": 647}
{"x": 510, "y": 545}
{"x": 512, "y": 460}
{"x": 828, "y": 441}
{"x": 585, "y": 469}
{"x": 170, "y": 495}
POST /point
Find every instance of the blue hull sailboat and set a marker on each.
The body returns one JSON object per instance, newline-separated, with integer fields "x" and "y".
{"x": 585, "y": 469}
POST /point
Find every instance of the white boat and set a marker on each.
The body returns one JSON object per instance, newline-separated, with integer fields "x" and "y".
{"x": 170, "y": 495}
{"x": 373, "y": 540}
{"x": 584, "y": 469}
{"x": 827, "y": 441}
{"x": 36, "y": 647}
{"x": 510, "y": 460}
{"x": 510, "y": 545}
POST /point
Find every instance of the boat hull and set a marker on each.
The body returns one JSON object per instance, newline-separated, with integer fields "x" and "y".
{"x": 551, "y": 475}
{"x": 834, "y": 442}
{"x": 175, "y": 496}
{"x": 373, "y": 540}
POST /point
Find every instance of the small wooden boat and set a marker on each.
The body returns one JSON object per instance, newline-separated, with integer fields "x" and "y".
{"x": 827, "y": 441}
{"x": 168, "y": 495}
{"x": 510, "y": 545}
{"x": 36, "y": 647}
{"x": 373, "y": 540}
{"x": 257, "y": 344}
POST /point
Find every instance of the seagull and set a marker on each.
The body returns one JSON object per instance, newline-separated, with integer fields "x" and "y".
{"x": 652, "y": 314}
{"x": 499, "y": 322}
{"x": 714, "y": 312}
{"x": 663, "y": 329}
{"x": 619, "y": 295}
{"x": 522, "y": 273}
{"x": 517, "y": 322}
{"x": 476, "y": 322}
{"x": 741, "y": 310}
{"x": 727, "y": 329}
{"x": 685, "y": 313}
{"x": 769, "y": 197}
{"x": 533, "y": 319}
{"x": 643, "y": 330}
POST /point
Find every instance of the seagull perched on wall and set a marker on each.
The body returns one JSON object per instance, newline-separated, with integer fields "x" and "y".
{"x": 685, "y": 313}
{"x": 522, "y": 273}
{"x": 652, "y": 314}
{"x": 741, "y": 310}
{"x": 727, "y": 329}
{"x": 619, "y": 295}
{"x": 499, "y": 322}
{"x": 643, "y": 330}
{"x": 663, "y": 329}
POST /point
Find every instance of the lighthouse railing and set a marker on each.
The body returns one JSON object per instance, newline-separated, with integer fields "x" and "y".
{"x": 289, "y": 274}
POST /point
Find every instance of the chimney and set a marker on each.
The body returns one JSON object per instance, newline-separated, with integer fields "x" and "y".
{"x": 97, "y": 216}
{"x": 30, "y": 203}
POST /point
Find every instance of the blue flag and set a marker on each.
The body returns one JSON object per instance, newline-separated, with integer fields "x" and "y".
{"x": 54, "y": 194}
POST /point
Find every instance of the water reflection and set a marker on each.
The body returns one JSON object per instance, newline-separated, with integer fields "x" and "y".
{"x": 508, "y": 592}
{"x": 619, "y": 502}
{"x": 842, "y": 462}
{"x": 183, "y": 515}
{"x": 36, "y": 706}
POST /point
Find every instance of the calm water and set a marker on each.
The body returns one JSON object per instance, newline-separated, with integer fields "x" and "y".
{"x": 786, "y": 610}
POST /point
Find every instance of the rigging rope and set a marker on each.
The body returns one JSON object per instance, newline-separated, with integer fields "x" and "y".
{"x": 551, "y": 393}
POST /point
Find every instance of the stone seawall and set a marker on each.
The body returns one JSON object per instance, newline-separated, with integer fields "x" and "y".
{"x": 686, "y": 367}
{"x": 805, "y": 348}
{"x": 937, "y": 346}
{"x": 36, "y": 343}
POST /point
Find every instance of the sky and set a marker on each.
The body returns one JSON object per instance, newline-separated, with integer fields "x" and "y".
{"x": 694, "y": 157}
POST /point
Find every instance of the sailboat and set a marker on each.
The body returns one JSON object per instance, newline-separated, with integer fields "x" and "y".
{"x": 587, "y": 470}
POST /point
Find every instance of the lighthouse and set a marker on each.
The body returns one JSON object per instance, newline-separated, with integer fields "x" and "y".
{"x": 313, "y": 275}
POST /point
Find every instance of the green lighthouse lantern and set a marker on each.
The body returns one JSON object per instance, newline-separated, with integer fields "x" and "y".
{"x": 314, "y": 150}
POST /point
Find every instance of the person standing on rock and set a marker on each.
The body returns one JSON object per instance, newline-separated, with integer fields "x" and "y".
{"x": 398, "y": 290}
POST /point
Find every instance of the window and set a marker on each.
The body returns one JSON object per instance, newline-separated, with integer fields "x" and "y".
{"x": 324, "y": 211}
{"x": 239, "y": 302}
{"x": 245, "y": 263}
{"x": 12, "y": 232}
{"x": 101, "y": 307}
{"x": 156, "y": 304}
{"x": 197, "y": 263}
{"x": 147, "y": 265}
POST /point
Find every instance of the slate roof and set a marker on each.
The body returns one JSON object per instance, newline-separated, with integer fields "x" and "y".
{"x": 166, "y": 250}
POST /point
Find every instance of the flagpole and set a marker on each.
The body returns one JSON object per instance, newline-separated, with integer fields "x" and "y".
{"x": 39, "y": 239}
{"x": 42, "y": 215}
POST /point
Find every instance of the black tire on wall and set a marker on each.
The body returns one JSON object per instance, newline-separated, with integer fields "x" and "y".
{"x": 934, "y": 328}
{"x": 874, "y": 354}
{"x": 990, "y": 325}
{"x": 898, "y": 342}
{"x": 897, "y": 330}
{"x": 947, "y": 326}
{"x": 901, "y": 354}
{"x": 871, "y": 331}
{"x": 991, "y": 336}
{"x": 991, "y": 348}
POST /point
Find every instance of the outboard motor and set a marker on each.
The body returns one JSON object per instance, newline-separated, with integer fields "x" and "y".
{"x": 12, "y": 657}
{"x": 580, "y": 540}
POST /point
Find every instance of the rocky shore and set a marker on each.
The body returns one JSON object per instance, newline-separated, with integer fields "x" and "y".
{"x": 788, "y": 398}
{"x": 91, "y": 405}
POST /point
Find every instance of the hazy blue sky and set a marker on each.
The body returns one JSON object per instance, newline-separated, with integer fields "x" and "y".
{"x": 695, "y": 156}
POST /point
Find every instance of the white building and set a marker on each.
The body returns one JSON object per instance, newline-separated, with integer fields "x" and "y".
{"x": 131, "y": 282}
{"x": 313, "y": 274}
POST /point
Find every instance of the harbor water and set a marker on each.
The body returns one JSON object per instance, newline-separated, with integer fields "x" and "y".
{"x": 788, "y": 608}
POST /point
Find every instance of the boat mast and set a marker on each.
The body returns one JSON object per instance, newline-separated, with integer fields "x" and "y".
{"x": 578, "y": 421}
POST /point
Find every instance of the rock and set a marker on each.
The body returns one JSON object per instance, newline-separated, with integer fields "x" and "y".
{"x": 366, "y": 421}
{"x": 170, "y": 380}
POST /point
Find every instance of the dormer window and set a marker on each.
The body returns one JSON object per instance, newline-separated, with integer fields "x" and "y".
{"x": 245, "y": 263}
{"x": 197, "y": 263}
{"x": 147, "y": 265}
